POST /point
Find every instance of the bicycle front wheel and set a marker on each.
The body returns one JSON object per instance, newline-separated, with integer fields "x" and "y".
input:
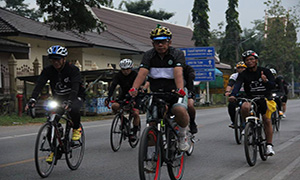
{"x": 274, "y": 120}
{"x": 43, "y": 148}
{"x": 75, "y": 150}
{"x": 150, "y": 155}
{"x": 250, "y": 144}
{"x": 262, "y": 144}
{"x": 238, "y": 127}
{"x": 116, "y": 133}
{"x": 278, "y": 119}
{"x": 176, "y": 158}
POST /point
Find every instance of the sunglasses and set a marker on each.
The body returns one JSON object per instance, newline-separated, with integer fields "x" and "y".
{"x": 157, "y": 42}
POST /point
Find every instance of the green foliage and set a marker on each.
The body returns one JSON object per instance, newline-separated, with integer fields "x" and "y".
{"x": 217, "y": 36}
{"x": 142, "y": 7}
{"x": 72, "y": 15}
{"x": 201, "y": 33}
{"x": 19, "y": 7}
{"x": 229, "y": 52}
{"x": 280, "y": 48}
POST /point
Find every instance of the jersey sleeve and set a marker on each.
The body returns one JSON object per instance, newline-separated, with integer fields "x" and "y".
{"x": 42, "y": 80}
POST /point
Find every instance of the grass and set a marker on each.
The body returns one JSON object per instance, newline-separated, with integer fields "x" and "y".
{"x": 12, "y": 120}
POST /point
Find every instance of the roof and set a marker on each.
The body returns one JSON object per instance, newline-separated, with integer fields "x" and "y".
{"x": 137, "y": 28}
{"x": 20, "y": 50}
{"x": 126, "y": 32}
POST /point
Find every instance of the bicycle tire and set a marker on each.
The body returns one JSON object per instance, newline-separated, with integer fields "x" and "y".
{"x": 116, "y": 133}
{"x": 238, "y": 127}
{"x": 176, "y": 159}
{"x": 262, "y": 144}
{"x": 75, "y": 150}
{"x": 278, "y": 121}
{"x": 150, "y": 155}
{"x": 250, "y": 144}
{"x": 43, "y": 149}
{"x": 133, "y": 144}
{"x": 273, "y": 120}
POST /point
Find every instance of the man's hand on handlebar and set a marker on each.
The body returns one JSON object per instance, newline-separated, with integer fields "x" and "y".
{"x": 133, "y": 92}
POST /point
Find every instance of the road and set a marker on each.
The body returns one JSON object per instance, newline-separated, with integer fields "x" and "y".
{"x": 216, "y": 155}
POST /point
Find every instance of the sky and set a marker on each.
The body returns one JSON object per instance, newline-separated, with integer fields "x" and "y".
{"x": 249, "y": 10}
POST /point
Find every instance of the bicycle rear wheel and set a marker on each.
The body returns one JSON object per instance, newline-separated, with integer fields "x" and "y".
{"x": 43, "y": 148}
{"x": 176, "y": 158}
{"x": 238, "y": 127}
{"x": 250, "y": 144}
{"x": 116, "y": 133}
{"x": 75, "y": 150}
{"x": 150, "y": 157}
{"x": 133, "y": 144}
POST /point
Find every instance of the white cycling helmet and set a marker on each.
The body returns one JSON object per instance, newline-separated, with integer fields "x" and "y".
{"x": 273, "y": 71}
{"x": 57, "y": 51}
{"x": 126, "y": 64}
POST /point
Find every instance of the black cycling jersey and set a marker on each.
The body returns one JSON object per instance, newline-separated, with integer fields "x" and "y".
{"x": 125, "y": 83}
{"x": 161, "y": 71}
{"x": 189, "y": 76}
{"x": 65, "y": 84}
{"x": 253, "y": 84}
{"x": 279, "y": 87}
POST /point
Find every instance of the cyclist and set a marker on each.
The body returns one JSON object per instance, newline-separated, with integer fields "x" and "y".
{"x": 258, "y": 82}
{"x": 278, "y": 90}
{"x": 240, "y": 67}
{"x": 284, "y": 97}
{"x": 164, "y": 66}
{"x": 125, "y": 79}
{"x": 189, "y": 76}
{"x": 66, "y": 86}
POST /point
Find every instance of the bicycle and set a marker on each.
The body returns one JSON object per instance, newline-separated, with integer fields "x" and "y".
{"x": 159, "y": 141}
{"x": 276, "y": 117}
{"x": 239, "y": 123}
{"x": 54, "y": 138}
{"x": 122, "y": 124}
{"x": 254, "y": 135}
{"x": 4, "y": 106}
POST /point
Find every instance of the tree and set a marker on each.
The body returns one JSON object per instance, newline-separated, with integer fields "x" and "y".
{"x": 19, "y": 7}
{"x": 280, "y": 44}
{"x": 201, "y": 32}
{"x": 230, "y": 46}
{"x": 142, "y": 7}
{"x": 73, "y": 15}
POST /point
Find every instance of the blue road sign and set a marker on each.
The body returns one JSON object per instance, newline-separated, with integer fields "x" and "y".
{"x": 198, "y": 52}
{"x": 201, "y": 63}
{"x": 205, "y": 76}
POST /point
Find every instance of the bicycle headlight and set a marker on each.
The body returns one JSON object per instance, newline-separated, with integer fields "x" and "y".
{"x": 52, "y": 104}
{"x": 274, "y": 94}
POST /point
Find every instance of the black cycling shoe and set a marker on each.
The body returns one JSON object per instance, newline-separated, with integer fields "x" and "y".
{"x": 193, "y": 128}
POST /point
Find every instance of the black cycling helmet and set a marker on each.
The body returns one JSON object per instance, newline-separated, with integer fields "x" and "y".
{"x": 249, "y": 53}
